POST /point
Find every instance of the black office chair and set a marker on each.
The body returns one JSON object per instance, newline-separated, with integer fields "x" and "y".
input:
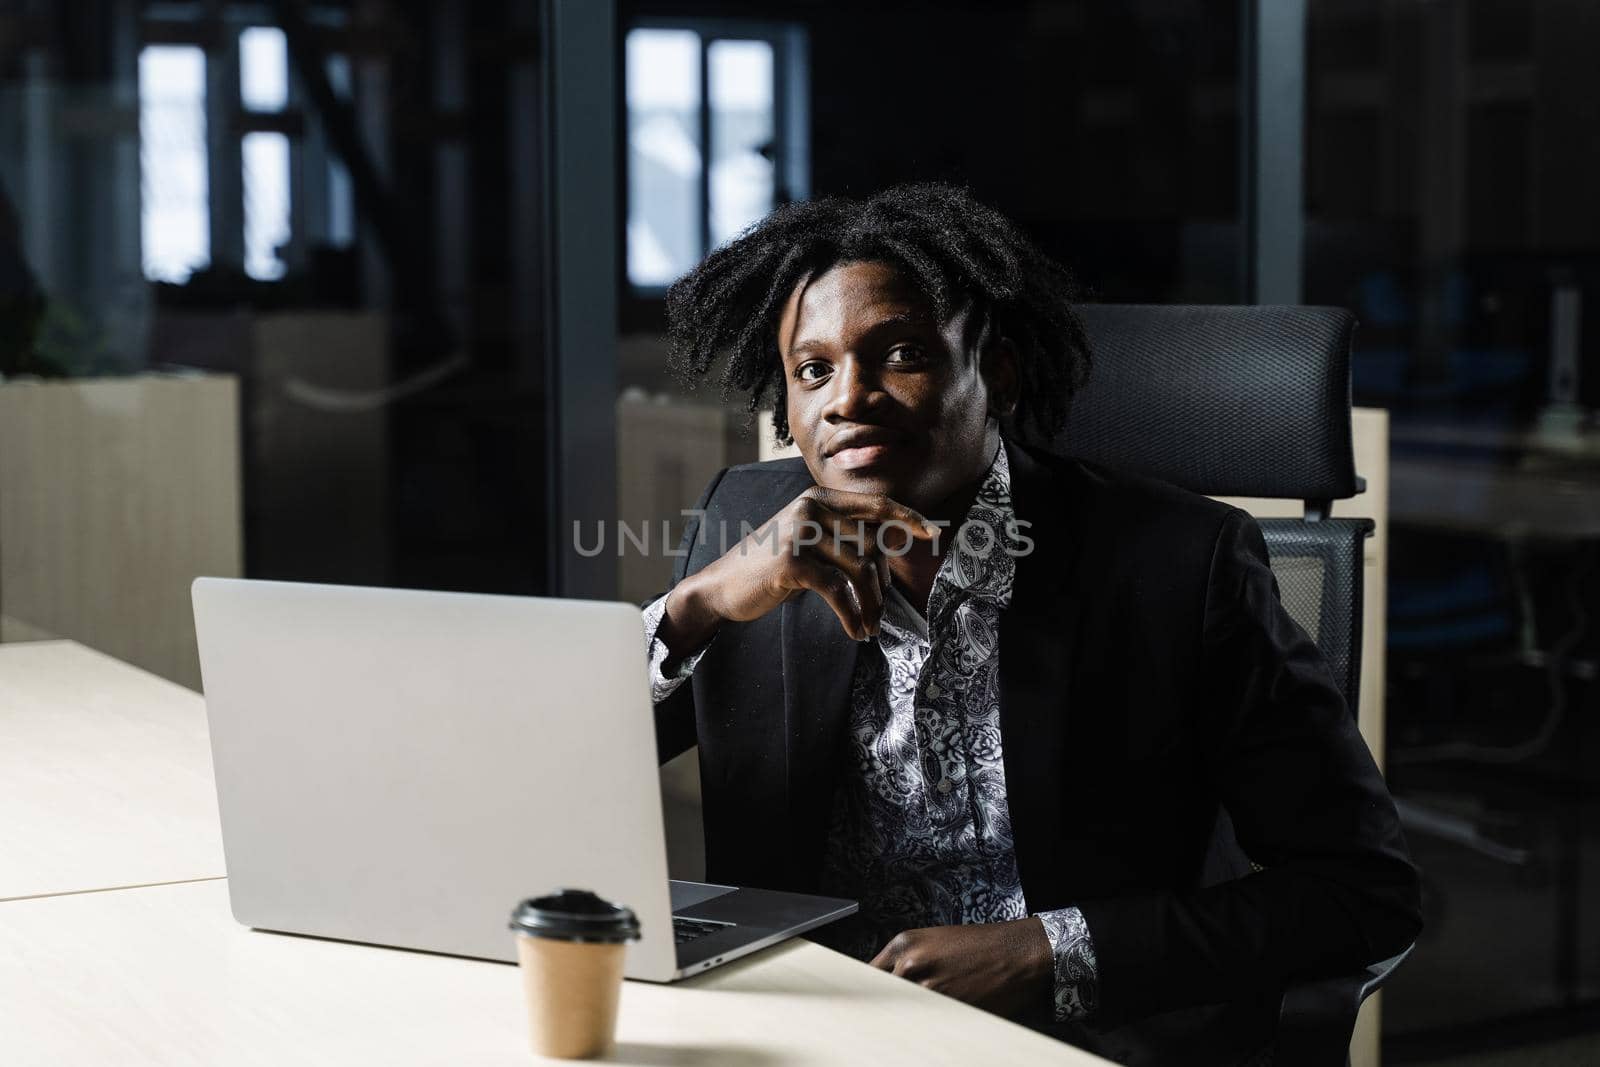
{"x": 1253, "y": 402}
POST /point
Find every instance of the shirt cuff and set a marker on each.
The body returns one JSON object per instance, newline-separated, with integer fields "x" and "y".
{"x": 662, "y": 682}
{"x": 1077, "y": 989}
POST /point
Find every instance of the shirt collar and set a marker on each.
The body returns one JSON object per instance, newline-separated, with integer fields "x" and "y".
{"x": 979, "y": 559}
{"x": 977, "y": 562}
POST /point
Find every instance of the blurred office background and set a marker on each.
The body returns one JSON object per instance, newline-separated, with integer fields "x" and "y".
{"x": 371, "y": 292}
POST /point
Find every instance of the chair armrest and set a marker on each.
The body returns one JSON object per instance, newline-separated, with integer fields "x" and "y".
{"x": 1318, "y": 1015}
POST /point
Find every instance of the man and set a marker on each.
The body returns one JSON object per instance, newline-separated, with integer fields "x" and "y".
{"x": 996, "y": 696}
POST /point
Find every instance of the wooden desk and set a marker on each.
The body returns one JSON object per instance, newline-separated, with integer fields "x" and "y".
{"x": 163, "y": 975}
{"x": 105, "y": 775}
{"x": 105, "y": 781}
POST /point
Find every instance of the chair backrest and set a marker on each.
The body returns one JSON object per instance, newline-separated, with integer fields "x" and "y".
{"x": 1319, "y": 570}
{"x": 1252, "y": 402}
{"x": 1240, "y": 401}
{"x": 1223, "y": 400}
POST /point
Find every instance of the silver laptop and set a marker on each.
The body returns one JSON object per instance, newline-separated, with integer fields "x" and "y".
{"x": 400, "y": 768}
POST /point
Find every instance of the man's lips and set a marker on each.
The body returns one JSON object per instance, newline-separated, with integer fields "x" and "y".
{"x": 861, "y": 456}
{"x": 854, "y": 449}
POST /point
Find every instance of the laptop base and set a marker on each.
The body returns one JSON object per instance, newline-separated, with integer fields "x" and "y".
{"x": 751, "y": 920}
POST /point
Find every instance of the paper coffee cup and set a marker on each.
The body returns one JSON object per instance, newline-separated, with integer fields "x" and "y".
{"x": 571, "y": 945}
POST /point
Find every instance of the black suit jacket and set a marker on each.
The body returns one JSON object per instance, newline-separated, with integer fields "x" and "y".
{"x": 1149, "y": 677}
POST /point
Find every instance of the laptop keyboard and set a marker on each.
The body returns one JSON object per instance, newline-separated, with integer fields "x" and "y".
{"x": 686, "y": 930}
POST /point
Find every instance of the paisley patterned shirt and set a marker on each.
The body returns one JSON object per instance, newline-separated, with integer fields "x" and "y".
{"x": 920, "y": 831}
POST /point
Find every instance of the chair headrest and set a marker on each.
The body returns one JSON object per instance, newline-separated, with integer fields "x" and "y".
{"x": 1225, "y": 400}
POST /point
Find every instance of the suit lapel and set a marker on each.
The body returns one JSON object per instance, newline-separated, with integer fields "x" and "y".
{"x": 1038, "y": 637}
{"x": 1039, "y": 634}
{"x": 819, "y": 659}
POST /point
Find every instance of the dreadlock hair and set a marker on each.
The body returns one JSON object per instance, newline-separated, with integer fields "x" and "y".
{"x": 957, "y": 252}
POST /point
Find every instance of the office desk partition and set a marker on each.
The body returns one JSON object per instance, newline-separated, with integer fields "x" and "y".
{"x": 117, "y": 944}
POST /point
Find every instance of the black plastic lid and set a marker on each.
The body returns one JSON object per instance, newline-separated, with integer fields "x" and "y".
{"x": 575, "y": 915}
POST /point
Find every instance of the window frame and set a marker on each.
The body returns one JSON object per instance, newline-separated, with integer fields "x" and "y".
{"x": 229, "y": 121}
{"x": 641, "y": 305}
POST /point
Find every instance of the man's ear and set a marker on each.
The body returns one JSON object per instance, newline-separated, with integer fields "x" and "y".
{"x": 998, "y": 366}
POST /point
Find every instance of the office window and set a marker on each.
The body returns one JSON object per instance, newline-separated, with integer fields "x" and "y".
{"x": 741, "y": 135}
{"x": 339, "y": 228}
{"x": 263, "y": 69}
{"x": 292, "y": 192}
{"x": 1450, "y": 167}
{"x": 174, "y": 224}
{"x": 264, "y": 87}
{"x": 715, "y": 140}
{"x": 664, "y": 165}
{"x": 266, "y": 204}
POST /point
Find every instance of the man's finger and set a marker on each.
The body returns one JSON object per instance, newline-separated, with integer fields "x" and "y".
{"x": 873, "y": 508}
{"x": 834, "y": 587}
{"x": 863, "y": 570}
{"x": 869, "y": 594}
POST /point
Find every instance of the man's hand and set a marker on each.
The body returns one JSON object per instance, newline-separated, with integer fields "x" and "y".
{"x": 825, "y": 540}
{"x": 1005, "y": 968}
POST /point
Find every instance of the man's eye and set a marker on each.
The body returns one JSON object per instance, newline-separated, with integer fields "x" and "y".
{"x": 904, "y": 354}
{"x": 810, "y": 372}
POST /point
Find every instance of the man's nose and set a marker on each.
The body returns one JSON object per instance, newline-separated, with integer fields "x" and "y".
{"x": 856, "y": 393}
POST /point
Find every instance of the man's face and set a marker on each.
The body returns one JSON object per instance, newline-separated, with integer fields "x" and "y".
{"x": 882, "y": 398}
